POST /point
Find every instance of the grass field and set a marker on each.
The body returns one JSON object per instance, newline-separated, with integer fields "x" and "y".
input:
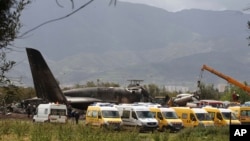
{"x": 19, "y": 130}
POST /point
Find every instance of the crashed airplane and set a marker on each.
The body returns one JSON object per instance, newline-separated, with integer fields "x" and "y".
{"x": 47, "y": 88}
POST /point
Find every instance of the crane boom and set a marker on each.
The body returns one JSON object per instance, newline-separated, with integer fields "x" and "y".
{"x": 227, "y": 78}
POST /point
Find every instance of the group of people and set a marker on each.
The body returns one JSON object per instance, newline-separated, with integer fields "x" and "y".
{"x": 73, "y": 114}
{"x": 30, "y": 110}
{"x": 235, "y": 97}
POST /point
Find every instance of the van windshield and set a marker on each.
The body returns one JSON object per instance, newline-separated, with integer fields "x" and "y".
{"x": 203, "y": 116}
{"x": 110, "y": 114}
{"x": 144, "y": 114}
{"x": 170, "y": 115}
{"x": 226, "y": 115}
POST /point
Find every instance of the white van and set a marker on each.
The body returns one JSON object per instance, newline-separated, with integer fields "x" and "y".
{"x": 51, "y": 112}
{"x": 137, "y": 117}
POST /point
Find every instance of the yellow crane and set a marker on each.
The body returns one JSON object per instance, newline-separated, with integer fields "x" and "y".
{"x": 227, "y": 78}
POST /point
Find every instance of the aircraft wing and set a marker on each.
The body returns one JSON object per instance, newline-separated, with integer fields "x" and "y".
{"x": 81, "y": 103}
{"x": 82, "y": 99}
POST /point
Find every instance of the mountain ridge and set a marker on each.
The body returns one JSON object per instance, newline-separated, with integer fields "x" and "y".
{"x": 135, "y": 41}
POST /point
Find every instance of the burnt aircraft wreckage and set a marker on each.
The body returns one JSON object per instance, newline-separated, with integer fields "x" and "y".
{"x": 47, "y": 88}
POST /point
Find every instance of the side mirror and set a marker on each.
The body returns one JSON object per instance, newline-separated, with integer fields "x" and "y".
{"x": 99, "y": 116}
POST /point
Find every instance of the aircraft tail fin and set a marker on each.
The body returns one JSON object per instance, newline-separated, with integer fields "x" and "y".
{"x": 45, "y": 84}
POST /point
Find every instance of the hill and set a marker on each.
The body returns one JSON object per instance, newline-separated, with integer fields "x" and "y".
{"x": 135, "y": 41}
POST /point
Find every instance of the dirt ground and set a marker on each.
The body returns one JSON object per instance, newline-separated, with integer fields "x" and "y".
{"x": 15, "y": 116}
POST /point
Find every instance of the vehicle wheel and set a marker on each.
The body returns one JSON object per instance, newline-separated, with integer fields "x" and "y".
{"x": 164, "y": 129}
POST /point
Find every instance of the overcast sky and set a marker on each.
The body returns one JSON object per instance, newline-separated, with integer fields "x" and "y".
{"x": 177, "y": 5}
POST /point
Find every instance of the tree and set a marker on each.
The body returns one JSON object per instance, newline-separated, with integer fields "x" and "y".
{"x": 208, "y": 92}
{"x": 243, "y": 95}
{"x": 10, "y": 12}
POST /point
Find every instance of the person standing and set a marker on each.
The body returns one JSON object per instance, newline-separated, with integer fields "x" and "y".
{"x": 77, "y": 116}
{"x": 29, "y": 110}
{"x": 33, "y": 109}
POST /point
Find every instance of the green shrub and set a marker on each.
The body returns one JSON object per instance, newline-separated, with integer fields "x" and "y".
{"x": 29, "y": 131}
{"x": 203, "y": 134}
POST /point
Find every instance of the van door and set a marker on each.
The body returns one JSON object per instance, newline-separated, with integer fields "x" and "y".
{"x": 92, "y": 118}
{"x": 134, "y": 118}
{"x": 192, "y": 121}
{"x": 95, "y": 119}
{"x": 186, "y": 119}
{"x": 42, "y": 115}
{"x": 219, "y": 119}
{"x": 58, "y": 115}
{"x": 161, "y": 120}
{"x": 127, "y": 118}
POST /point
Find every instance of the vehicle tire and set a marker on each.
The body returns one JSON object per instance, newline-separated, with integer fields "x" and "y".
{"x": 164, "y": 129}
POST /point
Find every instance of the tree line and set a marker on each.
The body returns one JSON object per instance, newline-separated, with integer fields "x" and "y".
{"x": 12, "y": 93}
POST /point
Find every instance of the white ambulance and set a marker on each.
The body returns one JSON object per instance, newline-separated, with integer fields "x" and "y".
{"x": 51, "y": 112}
{"x": 137, "y": 116}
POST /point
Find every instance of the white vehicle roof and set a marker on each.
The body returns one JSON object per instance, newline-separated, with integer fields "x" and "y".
{"x": 136, "y": 108}
{"x": 199, "y": 110}
{"x": 51, "y": 104}
{"x": 167, "y": 109}
{"x": 148, "y": 104}
{"x": 224, "y": 110}
{"x": 103, "y": 104}
{"x": 109, "y": 108}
